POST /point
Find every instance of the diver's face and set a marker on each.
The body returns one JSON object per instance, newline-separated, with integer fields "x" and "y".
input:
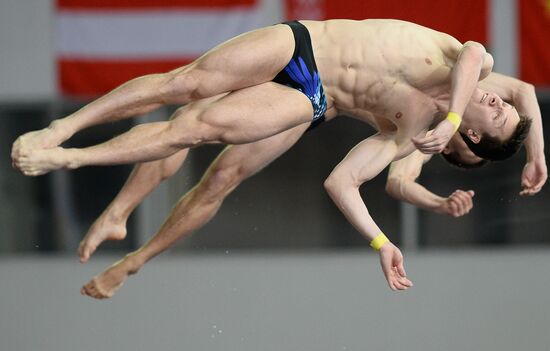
{"x": 488, "y": 114}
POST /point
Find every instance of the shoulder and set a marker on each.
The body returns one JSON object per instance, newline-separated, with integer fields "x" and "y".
{"x": 448, "y": 44}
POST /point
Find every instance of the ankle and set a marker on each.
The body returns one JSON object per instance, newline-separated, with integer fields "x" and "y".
{"x": 134, "y": 262}
{"x": 115, "y": 215}
{"x": 60, "y": 129}
{"x": 71, "y": 158}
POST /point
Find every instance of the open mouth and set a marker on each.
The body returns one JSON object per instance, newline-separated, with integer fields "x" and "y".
{"x": 484, "y": 97}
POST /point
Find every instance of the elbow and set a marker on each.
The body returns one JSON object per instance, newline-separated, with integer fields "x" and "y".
{"x": 475, "y": 53}
{"x": 392, "y": 187}
{"x": 330, "y": 185}
{"x": 475, "y": 48}
{"x": 527, "y": 88}
{"x": 523, "y": 90}
{"x": 337, "y": 183}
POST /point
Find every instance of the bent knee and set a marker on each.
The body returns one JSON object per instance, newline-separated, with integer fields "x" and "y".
{"x": 181, "y": 86}
{"x": 169, "y": 166}
{"x": 189, "y": 131}
{"x": 220, "y": 181}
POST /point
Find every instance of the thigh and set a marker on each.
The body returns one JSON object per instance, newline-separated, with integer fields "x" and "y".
{"x": 251, "y": 58}
{"x": 196, "y": 106}
{"x": 255, "y": 113}
{"x": 253, "y": 157}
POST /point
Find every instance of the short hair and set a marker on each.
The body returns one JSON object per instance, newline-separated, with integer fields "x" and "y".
{"x": 491, "y": 148}
{"x": 455, "y": 160}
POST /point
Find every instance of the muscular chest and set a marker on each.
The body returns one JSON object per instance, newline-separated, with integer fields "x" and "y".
{"x": 394, "y": 104}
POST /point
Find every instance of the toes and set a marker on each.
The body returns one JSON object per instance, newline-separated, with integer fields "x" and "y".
{"x": 79, "y": 250}
{"x": 85, "y": 290}
{"x": 32, "y": 172}
{"x": 84, "y": 257}
{"x": 91, "y": 289}
{"x": 99, "y": 294}
{"x": 85, "y": 251}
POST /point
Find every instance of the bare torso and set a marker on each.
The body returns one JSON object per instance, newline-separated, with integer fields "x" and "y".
{"x": 388, "y": 73}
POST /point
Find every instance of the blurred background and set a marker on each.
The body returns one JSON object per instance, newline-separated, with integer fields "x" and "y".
{"x": 279, "y": 228}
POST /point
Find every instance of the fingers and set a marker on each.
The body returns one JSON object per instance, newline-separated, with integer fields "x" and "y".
{"x": 15, "y": 147}
{"x": 457, "y": 208}
{"x": 533, "y": 178}
{"x": 403, "y": 284}
{"x": 430, "y": 144}
{"x": 530, "y": 191}
{"x": 389, "y": 273}
{"x": 461, "y": 202}
{"x": 401, "y": 270}
{"x": 394, "y": 271}
{"x": 526, "y": 182}
{"x": 451, "y": 208}
{"x": 398, "y": 282}
{"x": 538, "y": 186}
{"x": 435, "y": 142}
{"x": 15, "y": 153}
{"x": 401, "y": 277}
{"x": 466, "y": 200}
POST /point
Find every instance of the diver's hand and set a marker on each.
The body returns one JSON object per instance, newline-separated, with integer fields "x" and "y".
{"x": 435, "y": 142}
{"x": 534, "y": 176}
{"x": 391, "y": 261}
{"x": 457, "y": 204}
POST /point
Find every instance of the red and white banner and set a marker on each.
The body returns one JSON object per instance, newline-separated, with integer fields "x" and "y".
{"x": 534, "y": 45}
{"x": 101, "y": 44}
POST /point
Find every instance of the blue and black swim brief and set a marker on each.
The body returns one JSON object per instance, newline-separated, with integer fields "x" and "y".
{"x": 301, "y": 73}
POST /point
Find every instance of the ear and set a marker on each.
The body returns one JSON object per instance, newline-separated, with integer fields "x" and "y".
{"x": 473, "y": 136}
{"x": 446, "y": 150}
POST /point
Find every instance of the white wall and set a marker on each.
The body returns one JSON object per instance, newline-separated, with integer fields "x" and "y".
{"x": 484, "y": 300}
{"x": 27, "y": 68}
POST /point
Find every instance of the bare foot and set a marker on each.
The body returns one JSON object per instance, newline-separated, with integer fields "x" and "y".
{"x": 106, "y": 227}
{"x": 46, "y": 138}
{"x": 104, "y": 285}
{"x": 38, "y": 162}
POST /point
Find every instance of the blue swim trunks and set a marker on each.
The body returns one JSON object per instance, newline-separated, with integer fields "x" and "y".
{"x": 301, "y": 73}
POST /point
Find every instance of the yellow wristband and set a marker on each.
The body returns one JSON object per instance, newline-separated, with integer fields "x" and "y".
{"x": 378, "y": 241}
{"x": 455, "y": 119}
